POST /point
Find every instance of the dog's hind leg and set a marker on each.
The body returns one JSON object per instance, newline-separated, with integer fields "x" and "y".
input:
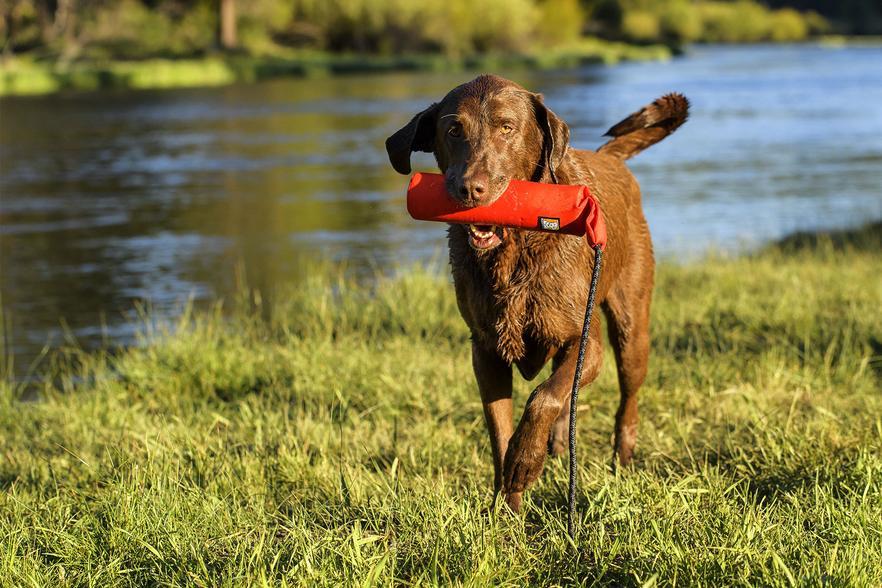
{"x": 495, "y": 385}
{"x": 627, "y": 312}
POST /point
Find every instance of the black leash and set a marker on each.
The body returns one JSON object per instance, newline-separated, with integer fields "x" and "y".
{"x": 574, "y": 395}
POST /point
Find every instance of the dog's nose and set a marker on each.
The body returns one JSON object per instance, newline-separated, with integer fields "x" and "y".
{"x": 474, "y": 186}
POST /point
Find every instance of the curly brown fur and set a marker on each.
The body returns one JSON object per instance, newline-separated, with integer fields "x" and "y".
{"x": 523, "y": 295}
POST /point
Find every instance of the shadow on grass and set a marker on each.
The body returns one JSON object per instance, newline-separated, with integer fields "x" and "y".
{"x": 865, "y": 238}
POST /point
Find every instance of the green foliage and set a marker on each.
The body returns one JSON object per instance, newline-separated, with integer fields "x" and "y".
{"x": 26, "y": 76}
{"x": 817, "y": 24}
{"x": 681, "y": 22}
{"x": 340, "y": 441}
{"x": 560, "y": 22}
{"x": 735, "y": 22}
{"x": 454, "y": 27}
{"x": 641, "y": 25}
{"x": 139, "y": 29}
{"x": 715, "y": 21}
{"x": 129, "y": 29}
{"x": 788, "y": 25}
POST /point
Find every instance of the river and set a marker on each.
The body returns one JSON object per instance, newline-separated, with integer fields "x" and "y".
{"x": 115, "y": 197}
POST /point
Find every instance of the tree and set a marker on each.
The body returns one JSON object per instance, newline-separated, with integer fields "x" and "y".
{"x": 228, "y": 24}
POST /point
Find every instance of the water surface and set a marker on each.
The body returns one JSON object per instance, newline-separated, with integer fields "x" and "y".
{"x": 110, "y": 198}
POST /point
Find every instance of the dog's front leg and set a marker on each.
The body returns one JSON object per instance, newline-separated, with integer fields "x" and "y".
{"x": 529, "y": 445}
{"x": 494, "y": 383}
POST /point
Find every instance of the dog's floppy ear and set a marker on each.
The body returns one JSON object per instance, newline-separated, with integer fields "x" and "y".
{"x": 417, "y": 135}
{"x": 555, "y": 136}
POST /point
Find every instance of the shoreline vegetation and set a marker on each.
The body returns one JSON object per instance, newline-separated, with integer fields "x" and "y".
{"x": 28, "y": 77}
{"x": 334, "y": 436}
{"x": 48, "y": 46}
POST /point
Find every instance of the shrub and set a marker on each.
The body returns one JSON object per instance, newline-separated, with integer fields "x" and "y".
{"x": 454, "y": 27}
{"x": 816, "y": 23}
{"x": 681, "y": 22}
{"x": 641, "y": 25}
{"x": 560, "y": 22}
{"x": 129, "y": 29}
{"x": 736, "y": 22}
{"x": 788, "y": 25}
{"x": 501, "y": 24}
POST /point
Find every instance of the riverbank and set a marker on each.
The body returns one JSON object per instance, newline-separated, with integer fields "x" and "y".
{"x": 341, "y": 441}
{"x": 28, "y": 76}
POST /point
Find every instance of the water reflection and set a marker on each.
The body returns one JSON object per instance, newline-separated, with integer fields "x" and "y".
{"x": 113, "y": 197}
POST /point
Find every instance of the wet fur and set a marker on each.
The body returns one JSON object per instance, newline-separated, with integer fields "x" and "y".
{"x": 524, "y": 300}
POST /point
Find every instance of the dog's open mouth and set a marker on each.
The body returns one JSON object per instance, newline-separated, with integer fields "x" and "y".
{"x": 484, "y": 237}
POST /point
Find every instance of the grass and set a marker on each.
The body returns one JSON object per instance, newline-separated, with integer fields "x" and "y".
{"x": 29, "y": 76}
{"x": 335, "y": 437}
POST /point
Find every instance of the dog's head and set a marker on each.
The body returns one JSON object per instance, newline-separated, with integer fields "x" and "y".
{"x": 483, "y": 134}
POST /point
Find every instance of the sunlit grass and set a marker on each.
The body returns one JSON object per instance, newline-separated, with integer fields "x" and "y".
{"x": 335, "y": 437}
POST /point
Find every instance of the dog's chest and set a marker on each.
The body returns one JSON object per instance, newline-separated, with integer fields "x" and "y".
{"x": 535, "y": 298}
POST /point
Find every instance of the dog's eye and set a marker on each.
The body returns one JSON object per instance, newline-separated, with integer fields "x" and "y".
{"x": 507, "y": 128}
{"x": 454, "y": 131}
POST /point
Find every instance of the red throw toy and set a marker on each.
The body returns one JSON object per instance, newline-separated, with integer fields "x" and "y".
{"x": 554, "y": 208}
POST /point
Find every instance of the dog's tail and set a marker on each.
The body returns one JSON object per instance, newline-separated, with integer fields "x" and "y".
{"x": 647, "y": 126}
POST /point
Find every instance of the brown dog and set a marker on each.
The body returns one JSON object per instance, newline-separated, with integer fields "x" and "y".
{"x": 523, "y": 293}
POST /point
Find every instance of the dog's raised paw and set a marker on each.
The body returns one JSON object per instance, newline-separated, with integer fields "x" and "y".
{"x": 523, "y": 462}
